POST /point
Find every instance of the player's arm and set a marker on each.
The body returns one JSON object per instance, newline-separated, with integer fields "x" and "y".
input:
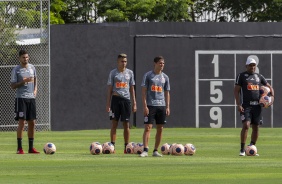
{"x": 109, "y": 94}
{"x": 167, "y": 101}
{"x": 132, "y": 94}
{"x": 35, "y": 86}
{"x": 144, "y": 101}
{"x": 15, "y": 85}
{"x": 237, "y": 90}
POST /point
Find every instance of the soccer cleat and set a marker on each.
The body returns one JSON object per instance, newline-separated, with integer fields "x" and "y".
{"x": 20, "y": 151}
{"x": 257, "y": 155}
{"x": 242, "y": 153}
{"x": 144, "y": 154}
{"x": 34, "y": 151}
{"x": 156, "y": 154}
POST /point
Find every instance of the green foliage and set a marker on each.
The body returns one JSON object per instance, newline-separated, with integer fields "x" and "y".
{"x": 56, "y": 7}
{"x": 216, "y": 159}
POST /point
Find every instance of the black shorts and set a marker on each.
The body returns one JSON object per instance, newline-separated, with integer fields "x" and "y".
{"x": 156, "y": 113}
{"x": 25, "y": 108}
{"x": 120, "y": 109}
{"x": 252, "y": 113}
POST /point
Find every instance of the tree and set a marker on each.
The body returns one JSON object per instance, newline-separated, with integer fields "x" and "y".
{"x": 56, "y": 7}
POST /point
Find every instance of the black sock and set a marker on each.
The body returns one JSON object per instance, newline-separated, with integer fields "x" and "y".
{"x": 242, "y": 146}
{"x": 125, "y": 144}
{"x": 113, "y": 143}
{"x": 155, "y": 150}
{"x": 19, "y": 143}
{"x": 146, "y": 149}
{"x": 252, "y": 143}
{"x": 30, "y": 143}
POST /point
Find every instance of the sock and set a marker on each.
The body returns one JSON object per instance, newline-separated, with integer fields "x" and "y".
{"x": 242, "y": 146}
{"x": 155, "y": 150}
{"x": 113, "y": 143}
{"x": 30, "y": 143}
{"x": 146, "y": 149}
{"x": 125, "y": 144}
{"x": 19, "y": 143}
{"x": 252, "y": 143}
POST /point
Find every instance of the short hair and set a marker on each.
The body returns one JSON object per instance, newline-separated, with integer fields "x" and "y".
{"x": 22, "y": 52}
{"x": 156, "y": 59}
{"x": 122, "y": 56}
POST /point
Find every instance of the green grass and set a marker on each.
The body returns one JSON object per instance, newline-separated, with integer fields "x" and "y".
{"x": 216, "y": 159}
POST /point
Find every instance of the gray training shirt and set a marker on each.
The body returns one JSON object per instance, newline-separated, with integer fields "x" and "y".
{"x": 18, "y": 73}
{"x": 121, "y": 82}
{"x": 156, "y": 86}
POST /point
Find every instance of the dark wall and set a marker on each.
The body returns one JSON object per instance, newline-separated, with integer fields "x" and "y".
{"x": 83, "y": 55}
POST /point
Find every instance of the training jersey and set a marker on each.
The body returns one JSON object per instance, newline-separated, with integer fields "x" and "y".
{"x": 121, "y": 82}
{"x": 250, "y": 84}
{"x": 18, "y": 73}
{"x": 156, "y": 85}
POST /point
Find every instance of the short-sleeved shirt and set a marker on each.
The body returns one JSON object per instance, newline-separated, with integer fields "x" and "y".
{"x": 156, "y": 85}
{"x": 250, "y": 84}
{"x": 121, "y": 82}
{"x": 18, "y": 73}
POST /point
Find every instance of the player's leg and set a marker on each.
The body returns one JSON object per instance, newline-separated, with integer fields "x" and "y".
{"x": 160, "y": 121}
{"x": 246, "y": 119}
{"x": 113, "y": 132}
{"x": 20, "y": 112}
{"x": 146, "y": 138}
{"x": 30, "y": 118}
{"x": 256, "y": 122}
{"x": 114, "y": 117}
{"x": 125, "y": 117}
{"x": 255, "y": 134}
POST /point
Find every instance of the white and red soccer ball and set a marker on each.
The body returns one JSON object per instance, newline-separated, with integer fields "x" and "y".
{"x": 108, "y": 148}
{"x": 251, "y": 150}
{"x": 265, "y": 101}
{"x": 264, "y": 91}
{"x": 165, "y": 149}
{"x": 49, "y": 148}
{"x": 177, "y": 149}
{"x": 95, "y": 148}
{"x": 138, "y": 148}
{"x": 189, "y": 149}
{"x": 130, "y": 147}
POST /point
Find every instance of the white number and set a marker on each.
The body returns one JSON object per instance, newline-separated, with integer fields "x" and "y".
{"x": 215, "y": 62}
{"x": 216, "y": 115}
{"x": 215, "y": 91}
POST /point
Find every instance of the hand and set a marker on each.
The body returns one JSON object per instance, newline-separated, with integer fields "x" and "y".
{"x": 134, "y": 107}
{"x": 108, "y": 108}
{"x": 240, "y": 108}
{"x": 167, "y": 111}
{"x": 146, "y": 111}
{"x": 35, "y": 92}
{"x": 28, "y": 79}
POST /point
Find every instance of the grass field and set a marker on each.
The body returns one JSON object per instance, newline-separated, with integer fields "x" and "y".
{"x": 216, "y": 159}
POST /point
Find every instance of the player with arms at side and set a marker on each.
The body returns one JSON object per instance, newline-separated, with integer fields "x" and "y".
{"x": 120, "y": 91}
{"x": 24, "y": 79}
{"x": 247, "y": 86}
{"x": 156, "y": 104}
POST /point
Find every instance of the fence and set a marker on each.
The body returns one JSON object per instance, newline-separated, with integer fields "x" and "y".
{"x": 24, "y": 25}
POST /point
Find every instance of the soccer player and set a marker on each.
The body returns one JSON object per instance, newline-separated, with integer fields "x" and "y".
{"x": 24, "y": 80}
{"x": 247, "y": 89}
{"x": 120, "y": 91}
{"x": 156, "y": 102}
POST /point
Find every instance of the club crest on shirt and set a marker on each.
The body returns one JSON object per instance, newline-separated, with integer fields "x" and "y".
{"x": 256, "y": 77}
{"x": 163, "y": 79}
{"x": 126, "y": 76}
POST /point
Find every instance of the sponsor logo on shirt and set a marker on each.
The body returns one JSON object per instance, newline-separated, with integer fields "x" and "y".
{"x": 121, "y": 85}
{"x": 252, "y": 86}
{"x": 156, "y": 88}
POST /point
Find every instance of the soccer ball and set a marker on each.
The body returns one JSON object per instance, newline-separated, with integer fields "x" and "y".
{"x": 189, "y": 149}
{"x": 49, "y": 148}
{"x": 129, "y": 147}
{"x": 264, "y": 91}
{"x": 171, "y": 148}
{"x": 138, "y": 148}
{"x": 165, "y": 149}
{"x": 108, "y": 148}
{"x": 95, "y": 148}
{"x": 251, "y": 150}
{"x": 178, "y": 149}
{"x": 265, "y": 101}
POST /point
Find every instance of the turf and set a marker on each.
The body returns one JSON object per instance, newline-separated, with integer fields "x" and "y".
{"x": 216, "y": 159}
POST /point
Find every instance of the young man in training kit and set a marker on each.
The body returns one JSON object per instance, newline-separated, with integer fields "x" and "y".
{"x": 120, "y": 91}
{"x": 156, "y": 102}
{"x": 24, "y": 79}
{"x": 247, "y": 89}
